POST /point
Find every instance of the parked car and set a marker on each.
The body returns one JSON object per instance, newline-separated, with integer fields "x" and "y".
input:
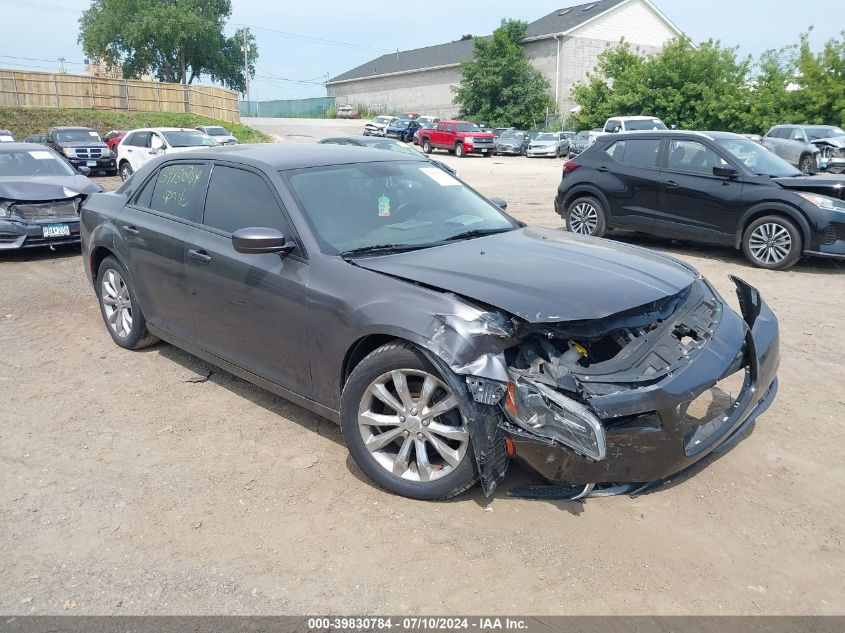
{"x": 112, "y": 138}
{"x": 513, "y": 142}
{"x": 388, "y": 144}
{"x": 424, "y": 320}
{"x": 347, "y": 112}
{"x": 378, "y": 126}
{"x": 460, "y": 137}
{"x": 579, "y": 143}
{"x": 569, "y": 135}
{"x": 36, "y": 138}
{"x": 82, "y": 147}
{"x": 402, "y": 129}
{"x": 6, "y": 137}
{"x": 410, "y": 115}
{"x": 620, "y": 124}
{"x": 713, "y": 187}
{"x": 553, "y": 144}
{"x": 497, "y": 131}
{"x": 809, "y": 147}
{"x": 219, "y": 134}
{"x": 40, "y": 197}
{"x": 141, "y": 146}
{"x": 425, "y": 123}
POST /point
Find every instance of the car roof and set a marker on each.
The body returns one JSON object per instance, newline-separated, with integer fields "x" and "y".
{"x": 282, "y": 156}
{"x": 163, "y": 129}
{"x": 639, "y": 117}
{"x": 26, "y": 147}
{"x": 362, "y": 138}
{"x": 73, "y": 127}
{"x": 712, "y": 135}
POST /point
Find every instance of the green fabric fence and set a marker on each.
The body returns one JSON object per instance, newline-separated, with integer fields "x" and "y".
{"x": 283, "y": 108}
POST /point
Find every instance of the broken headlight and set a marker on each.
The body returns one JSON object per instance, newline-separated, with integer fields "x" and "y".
{"x": 5, "y": 208}
{"x": 543, "y": 411}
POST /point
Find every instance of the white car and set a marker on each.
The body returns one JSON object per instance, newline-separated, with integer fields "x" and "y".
{"x": 378, "y": 126}
{"x": 219, "y": 134}
{"x": 141, "y": 146}
{"x": 618, "y": 124}
{"x": 6, "y": 137}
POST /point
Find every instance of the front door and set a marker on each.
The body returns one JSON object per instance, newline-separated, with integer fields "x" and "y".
{"x": 250, "y": 310}
{"x": 154, "y": 229}
{"x": 693, "y": 201}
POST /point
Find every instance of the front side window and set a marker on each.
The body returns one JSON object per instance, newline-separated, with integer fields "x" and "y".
{"x": 395, "y": 203}
{"x": 238, "y": 199}
{"x": 635, "y": 152}
{"x": 36, "y": 162}
{"x": 611, "y": 126}
{"x": 450, "y": 128}
{"x": 179, "y": 190}
{"x": 693, "y": 157}
{"x": 796, "y": 134}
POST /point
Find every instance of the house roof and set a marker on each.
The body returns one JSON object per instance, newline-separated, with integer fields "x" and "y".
{"x": 454, "y": 53}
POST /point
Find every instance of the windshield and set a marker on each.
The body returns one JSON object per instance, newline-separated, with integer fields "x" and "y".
{"x": 568, "y": 135}
{"x": 547, "y": 136}
{"x": 392, "y": 146}
{"x": 468, "y": 127}
{"x": 398, "y": 203}
{"x": 36, "y": 162}
{"x": 815, "y": 133}
{"x": 216, "y": 130}
{"x": 189, "y": 139}
{"x": 757, "y": 158}
{"x": 582, "y": 136}
{"x": 382, "y": 119}
{"x": 400, "y": 123}
{"x": 518, "y": 134}
{"x": 77, "y": 136}
{"x": 649, "y": 124}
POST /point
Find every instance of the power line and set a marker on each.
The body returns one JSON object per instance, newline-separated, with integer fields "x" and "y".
{"x": 39, "y": 59}
{"x": 319, "y": 40}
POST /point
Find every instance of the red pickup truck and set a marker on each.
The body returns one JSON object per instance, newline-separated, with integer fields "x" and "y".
{"x": 461, "y": 137}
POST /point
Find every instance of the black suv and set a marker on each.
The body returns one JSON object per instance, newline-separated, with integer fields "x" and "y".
{"x": 714, "y": 187}
{"x": 82, "y": 147}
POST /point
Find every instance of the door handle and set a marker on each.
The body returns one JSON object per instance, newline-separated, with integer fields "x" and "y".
{"x": 671, "y": 184}
{"x": 603, "y": 169}
{"x": 200, "y": 256}
{"x": 130, "y": 230}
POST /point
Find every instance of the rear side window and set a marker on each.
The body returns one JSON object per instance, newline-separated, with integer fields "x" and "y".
{"x": 693, "y": 157}
{"x": 140, "y": 139}
{"x": 179, "y": 190}
{"x": 635, "y": 152}
{"x": 238, "y": 199}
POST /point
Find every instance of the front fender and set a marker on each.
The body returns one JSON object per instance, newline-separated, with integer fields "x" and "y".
{"x": 773, "y": 207}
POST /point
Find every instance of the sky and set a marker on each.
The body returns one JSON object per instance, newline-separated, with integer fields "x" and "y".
{"x": 300, "y": 43}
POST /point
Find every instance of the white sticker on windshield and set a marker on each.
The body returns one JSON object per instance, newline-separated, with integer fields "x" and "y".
{"x": 439, "y": 176}
{"x": 41, "y": 155}
{"x": 94, "y": 134}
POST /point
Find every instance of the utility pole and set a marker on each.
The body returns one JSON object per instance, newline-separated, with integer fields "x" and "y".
{"x": 246, "y": 66}
{"x": 62, "y": 62}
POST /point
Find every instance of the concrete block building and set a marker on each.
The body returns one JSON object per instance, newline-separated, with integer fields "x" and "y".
{"x": 564, "y": 45}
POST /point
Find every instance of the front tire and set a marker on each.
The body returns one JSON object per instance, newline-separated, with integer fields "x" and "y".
{"x": 120, "y": 308}
{"x": 459, "y": 150}
{"x": 586, "y": 216}
{"x": 403, "y": 426}
{"x": 807, "y": 165}
{"x": 772, "y": 242}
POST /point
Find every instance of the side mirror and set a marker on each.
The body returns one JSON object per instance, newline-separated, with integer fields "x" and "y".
{"x": 255, "y": 240}
{"x": 723, "y": 171}
{"x": 500, "y": 202}
{"x": 84, "y": 170}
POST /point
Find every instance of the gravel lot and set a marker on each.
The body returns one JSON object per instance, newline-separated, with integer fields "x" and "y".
{"x": 132, "y": 485}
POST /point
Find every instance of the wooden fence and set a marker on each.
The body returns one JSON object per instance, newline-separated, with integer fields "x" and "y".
{"x": 59, "y": 90}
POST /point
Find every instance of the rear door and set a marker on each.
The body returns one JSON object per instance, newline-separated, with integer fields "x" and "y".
{"x": 250, "y": 310}
{"x": 154, "y": 229}
{"x": 693, "y": 201}
{"x": 627, "y": 173}
{"x": 136, "y": 149}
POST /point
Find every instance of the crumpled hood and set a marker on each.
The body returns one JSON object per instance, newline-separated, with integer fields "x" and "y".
{"x": 835, "y": 141}
{"x": 822, "y": 185}
{"x": 45, "y": 187}
{"x": 542, "y": 275}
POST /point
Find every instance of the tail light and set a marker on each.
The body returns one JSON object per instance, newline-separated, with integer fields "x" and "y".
{"x": 570, "y": 166}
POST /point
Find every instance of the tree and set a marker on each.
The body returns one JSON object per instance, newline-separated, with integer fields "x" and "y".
{"x": 174, "y": 40}
{"x": 499, "y": 85}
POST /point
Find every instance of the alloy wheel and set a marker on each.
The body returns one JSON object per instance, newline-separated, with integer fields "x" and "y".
{"x": 411, "y": 424}
{"x": 125, "y": 172}
{"x": 116, "y": 303}
{"x": 770, "y": 243}
{"x": 583, "y": 218}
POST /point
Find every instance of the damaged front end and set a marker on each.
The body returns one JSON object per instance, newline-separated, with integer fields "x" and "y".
{"x": 630, "y": 398}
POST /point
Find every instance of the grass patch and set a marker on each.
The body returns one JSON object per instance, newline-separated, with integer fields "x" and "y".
{"x": 25, "y": 121}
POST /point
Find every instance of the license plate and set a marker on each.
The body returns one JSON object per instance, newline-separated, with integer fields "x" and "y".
{"x": 55, "y": 230}
{"x": 91, "y": 163}
{"x": 484, "y": 151}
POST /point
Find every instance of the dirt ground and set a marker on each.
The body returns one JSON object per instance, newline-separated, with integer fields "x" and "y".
{"x": 132, "y": 485}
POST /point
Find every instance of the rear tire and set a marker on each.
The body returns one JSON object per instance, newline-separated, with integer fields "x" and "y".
{"x": 432, "y": 460}
{"x": 772, "y": 242}
{"x": 119, "y": 306}
{"x": 125, "y": 170}
{"x": 586, "y": 216}
{"x": 426, "y": 146}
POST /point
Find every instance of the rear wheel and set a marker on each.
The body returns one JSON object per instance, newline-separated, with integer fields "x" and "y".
{"x": 125, "y": 170}
{"x": 807, "y": 164}
{"x": 586, "y": 216}
{"x": 459, "y": 150}
{"x": 119, "y": 306}
{"x": 403, "y": 425}
{"x": 772, "y": 242}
